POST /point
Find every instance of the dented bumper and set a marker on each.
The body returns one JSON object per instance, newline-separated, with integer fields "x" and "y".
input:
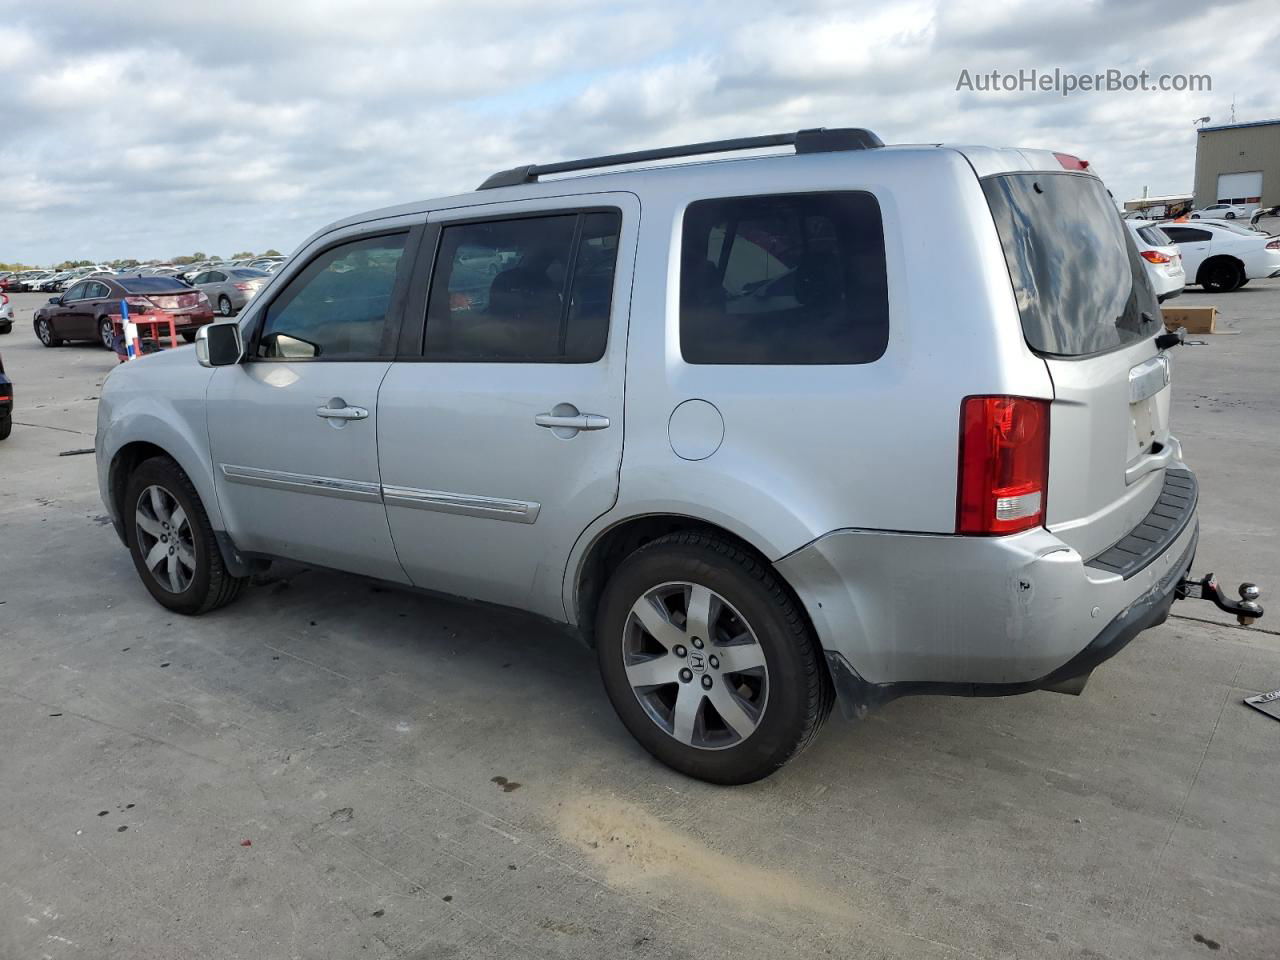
{"x": 902, "y": 610}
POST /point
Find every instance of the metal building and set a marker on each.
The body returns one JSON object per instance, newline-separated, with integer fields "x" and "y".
{"x": 1238, "y": 163}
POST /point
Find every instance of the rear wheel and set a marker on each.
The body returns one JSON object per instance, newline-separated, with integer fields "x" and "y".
{"x": 44, "y": 330}
{"x": 1230, "y": 216}
{"x": 6, "y": 427}
{"x": 106, "y": 333}
{"x": 224, "y": 306}
{"x": 1222, "y": 275}
{"x": 708, "y": 660}
{"x": 189, "y": 336}
{"x": 172, "y": 543}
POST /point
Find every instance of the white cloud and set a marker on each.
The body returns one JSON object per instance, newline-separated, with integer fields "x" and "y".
{"x": 149, "y": 131}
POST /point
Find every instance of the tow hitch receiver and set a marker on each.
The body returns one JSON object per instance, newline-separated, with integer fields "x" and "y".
{"x": 1246, "y": 608}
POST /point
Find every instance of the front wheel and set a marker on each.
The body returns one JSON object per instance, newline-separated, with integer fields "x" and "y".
{"x": 1222, "y": 276}
{"x": 172, "y": 543}
{"x": 1230, "y": 216}
{"x": 44, "y": 330}
{"x": 709, "y": 661}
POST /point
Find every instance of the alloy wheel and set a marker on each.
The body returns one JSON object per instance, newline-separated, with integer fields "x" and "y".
{"x": 224, "y": 306}
{"x": 43, "y": 331}
{"x": 106, "y": 333}
{"x": 165, "y": 540}
{"x": 695, "y": 665}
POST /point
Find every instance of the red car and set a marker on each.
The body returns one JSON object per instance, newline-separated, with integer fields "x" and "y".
{"x": 84, "y": 311}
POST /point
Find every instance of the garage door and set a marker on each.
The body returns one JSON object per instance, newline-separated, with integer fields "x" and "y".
{"x": 1240, "y": 187}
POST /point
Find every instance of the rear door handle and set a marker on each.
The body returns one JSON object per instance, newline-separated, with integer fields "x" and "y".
{"x": 582, "y": 421}
{"x": 342, "y": 413}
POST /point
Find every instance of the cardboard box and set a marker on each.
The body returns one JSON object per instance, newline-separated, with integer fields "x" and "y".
{"x": 1195, "y": 319}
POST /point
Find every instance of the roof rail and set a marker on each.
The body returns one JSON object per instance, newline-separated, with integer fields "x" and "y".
{"x": 817, "y": 140}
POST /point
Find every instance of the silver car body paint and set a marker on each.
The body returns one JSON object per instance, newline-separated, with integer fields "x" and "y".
{"x": 843, "y": 476}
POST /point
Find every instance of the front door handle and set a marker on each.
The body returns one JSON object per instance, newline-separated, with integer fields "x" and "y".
{"x": 581, "y": 421}
{"x": 342, "y": 413}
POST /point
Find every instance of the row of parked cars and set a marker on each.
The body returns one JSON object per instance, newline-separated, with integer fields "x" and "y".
{"x": 1218, "y": 255}
{"x": 56, "y": 281}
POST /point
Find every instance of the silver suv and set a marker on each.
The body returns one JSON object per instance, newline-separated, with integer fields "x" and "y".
{"x": 772, "y": 431}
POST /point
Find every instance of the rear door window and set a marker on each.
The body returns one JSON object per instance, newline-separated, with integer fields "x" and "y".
{"x": 1154, "y": 236}
{"x": 784, "y": 279}
{"x": 1188, "y": 235}
{"x": 1079, "y": 282}
{"x": 533, "y": 289}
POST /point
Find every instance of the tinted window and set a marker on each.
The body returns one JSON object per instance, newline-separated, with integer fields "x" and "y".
{"x": 522, "y": 290}
{"x": 1079, "y": 282}
{"x": 1154, "y": 236}
{"x": 76, "y": 292}
{"x": 788, "y": 279}
{"x": 336, "y": 308}
{"x": 151, "y": 285}
{"x": 247, "y": 274}
{"x": 1187, "y": 234}
{"x": 96, "y": 291}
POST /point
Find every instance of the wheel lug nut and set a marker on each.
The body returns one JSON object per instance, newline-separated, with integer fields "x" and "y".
{"x": 679, "y": 651}
{"x": 714, "y": 661}
{"x": 686, "y": 675}
{"x": 697, "y": 642}
{"x": 706, "y": 682}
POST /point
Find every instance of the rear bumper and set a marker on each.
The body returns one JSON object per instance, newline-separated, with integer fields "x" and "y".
{"x": 904, "y": 613}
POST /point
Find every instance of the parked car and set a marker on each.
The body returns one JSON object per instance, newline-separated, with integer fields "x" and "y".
{"x": 937, "y": 459}
{"x": 27, "y": 281}
{"x": 231, "y": 288}
{"x": 1222, "y": 211}
{"x": 1163, "y": 261}
{"x": 6, "y": 314}
{"x": 1223, "y": 256}
{"x": 6, "y": 403}
{"x": 84, "y": 311}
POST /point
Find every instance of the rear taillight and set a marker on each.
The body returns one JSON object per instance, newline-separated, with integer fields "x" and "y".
{"x": 1274, "y": 244}
{"x": 1071, "y": 163}
{"x": 243, "y": 286}
{"x": 1004, "y": 465}
{"x": 1154, "y": 256}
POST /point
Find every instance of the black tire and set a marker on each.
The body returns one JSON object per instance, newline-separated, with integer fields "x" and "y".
{"x": 189, "y": 336}
{"x": 224, "y": 306}
{"x": 211, "y": 584}
{"x": 106, "y": 333}
{"x": 6, "y": 427}
{"x": 5, "y": 328}
{"x": 799, "y": 692}
{"x": 1222, "y": 275}
{"x": 1229, "y": 216}
{"x": 45, "y": 334}
{"x": 1195, "y": 216}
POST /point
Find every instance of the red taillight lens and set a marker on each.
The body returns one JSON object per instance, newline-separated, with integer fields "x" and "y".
{"x": 1004, "y": 465}
{"x": 1154, "y": 256}
{"x": 1071, "y": 163}
{"x": 242, "y": 286}
{"x": 139, "y": 304}
{"x": 1274, "y": 244}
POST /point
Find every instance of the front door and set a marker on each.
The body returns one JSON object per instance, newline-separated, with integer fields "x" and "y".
{"x": 500, "y": 439}
{"x": 293, "y": 428}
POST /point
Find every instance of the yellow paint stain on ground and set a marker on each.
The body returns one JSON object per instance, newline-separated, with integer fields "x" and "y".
{"x": 639, "y": 851}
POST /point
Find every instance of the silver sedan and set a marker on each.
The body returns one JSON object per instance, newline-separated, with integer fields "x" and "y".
{"x": 230, "y": 288}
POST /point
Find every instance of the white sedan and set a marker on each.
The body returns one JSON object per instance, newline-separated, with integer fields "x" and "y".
{"x": 1223, "y": 211}
{"x": 1162, "y": 258}
{"x": 1222, "y": 256}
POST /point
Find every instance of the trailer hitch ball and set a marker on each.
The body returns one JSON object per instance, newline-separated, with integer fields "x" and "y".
{"x": 1246, "y": 609}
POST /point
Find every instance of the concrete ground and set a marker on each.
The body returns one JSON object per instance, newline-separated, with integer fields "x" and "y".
{"x": 334, "y": 769}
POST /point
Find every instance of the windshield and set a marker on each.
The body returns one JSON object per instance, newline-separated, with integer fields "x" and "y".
{"x": 1080, "y": 285}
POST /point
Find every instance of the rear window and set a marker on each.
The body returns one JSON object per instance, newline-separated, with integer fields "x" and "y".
{"x": 1080, "y": 285}
{"x": 152, "y": 285}
{"x": 248, "y": 273}
{"x": 1155, "y": 236}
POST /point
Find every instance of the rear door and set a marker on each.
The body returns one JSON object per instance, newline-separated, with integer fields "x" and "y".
{"x": 1194, "y": 244}
{"x": 1088, "y": 309}
{"x": 500, "y": 425}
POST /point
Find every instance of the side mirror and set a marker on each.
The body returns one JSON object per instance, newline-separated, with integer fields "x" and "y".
{"x": 55, "y": 299}
{"x": 219, "y": 344}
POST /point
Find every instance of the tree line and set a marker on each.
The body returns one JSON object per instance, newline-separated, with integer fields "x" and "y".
{"x": 128, "y": 263}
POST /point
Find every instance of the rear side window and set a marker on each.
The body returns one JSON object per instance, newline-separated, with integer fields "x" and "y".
{"x": 1079, "y": 282}
{"x": 784, "y": 279}
{"x": 533, "y": 289}
{"x": 336, "y": 308}
{"x": 1188, "y": 235}
{"x": 1154, "y": 236}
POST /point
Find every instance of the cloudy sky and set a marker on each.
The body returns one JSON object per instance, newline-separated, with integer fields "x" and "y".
{"x": 151, "y": 130}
